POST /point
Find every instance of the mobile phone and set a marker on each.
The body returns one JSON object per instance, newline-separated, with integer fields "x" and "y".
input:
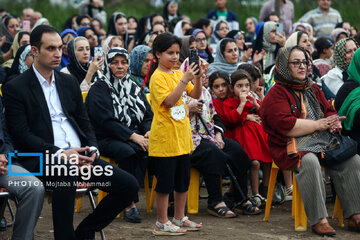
{"x": 194, "y": 58}
{"x": 26, "y": 25}
{"x": 89, "y": 154}
{"x": 98, "y": 53}
{"x": 280, "y": 28}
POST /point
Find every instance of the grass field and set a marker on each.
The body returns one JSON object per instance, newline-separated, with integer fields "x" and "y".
{"x": 195, "y": 9}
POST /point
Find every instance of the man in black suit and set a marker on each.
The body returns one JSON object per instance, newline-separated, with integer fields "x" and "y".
{"x": 45, "y": 114}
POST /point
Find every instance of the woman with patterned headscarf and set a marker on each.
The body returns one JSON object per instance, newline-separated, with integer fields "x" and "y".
{"x": 22, "y": 62}
{"x": 140, "y": 58}
{"x": 347, "y": 100}
{"x": 304, "y": 125}
{"x": 121, "y": 117}
{"x": 343, "y": 52}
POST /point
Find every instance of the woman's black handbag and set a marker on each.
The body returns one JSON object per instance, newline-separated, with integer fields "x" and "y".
{"x": 344, "y": 151}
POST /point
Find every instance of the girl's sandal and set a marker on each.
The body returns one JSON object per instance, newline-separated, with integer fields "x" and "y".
{"x": 191, "y": 226}
{"x": 167, "y": 229}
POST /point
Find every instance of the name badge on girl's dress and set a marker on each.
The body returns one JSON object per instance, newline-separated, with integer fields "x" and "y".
{"x": 178, "y": 112}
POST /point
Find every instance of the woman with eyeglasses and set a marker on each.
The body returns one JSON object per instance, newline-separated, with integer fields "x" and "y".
{"x": 220, "y": 31}
{"x": 66, "y": 36}
{"x": 303, "y": 125}
{"x": 201, "y": 45}
{"x": 343, "y": 53}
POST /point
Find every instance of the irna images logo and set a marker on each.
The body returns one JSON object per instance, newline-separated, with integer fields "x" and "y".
{"x": 17, "y": 154}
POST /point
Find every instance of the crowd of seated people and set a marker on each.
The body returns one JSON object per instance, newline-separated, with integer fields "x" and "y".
{"x": 254, "y": 95}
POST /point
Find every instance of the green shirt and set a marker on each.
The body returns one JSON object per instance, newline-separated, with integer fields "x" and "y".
{"x": 222, "y": 15}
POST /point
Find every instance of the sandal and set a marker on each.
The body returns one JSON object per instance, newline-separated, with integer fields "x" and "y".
{"x": 166, "y": 229}
{"x": 259, "y": 200}
{"x": 247, "y": 208}
{"x": 221, "y": 212}
{"x": 192, "y": 225}
{"x": 354, "y": 225}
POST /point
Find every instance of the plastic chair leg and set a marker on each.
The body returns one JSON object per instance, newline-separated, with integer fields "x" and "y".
{"x": 152, "y": 195}
{"x": 78, "y": 205}
{"x": 338, "y": 212}
{"x": 193, "y": 192}
{"x": 300, "y": 215}
{"x": 147, "y": 192}
{"x": 272, "y": 181}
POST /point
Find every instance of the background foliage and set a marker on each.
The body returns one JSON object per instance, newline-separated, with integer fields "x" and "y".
{"x": 195, "y": 9}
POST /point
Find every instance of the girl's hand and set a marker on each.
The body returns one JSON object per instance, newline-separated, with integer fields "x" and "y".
{"x": 202, "y": 68}
{"x": 190, "y": 73}
{"x": 220, "y": 140}
{"x": 196, "y": 107}
{"x": 252, "y": 99}
{"x": 258, "y": 56}
{"x": 253, "y": 118}
{"x": 243, "y": 97}
{"x": 260, "y": 91}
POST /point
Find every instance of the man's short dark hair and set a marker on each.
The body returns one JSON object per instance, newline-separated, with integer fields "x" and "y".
{"x": 36, "y": 34}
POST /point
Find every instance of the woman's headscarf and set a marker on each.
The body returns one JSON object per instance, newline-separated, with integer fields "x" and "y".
{"x": 336, "y": 32}
{"x": 184, "y": 50}
{"x": 41, "y": 21}
{"x": 282, "y": 72}
{"x": 106, "y": 44}
{"x": 74, "y": 66}
{"x": 137, "y": 57}
{"x": 220, "y": 64}
{"x": 202, "y": 53}
{"x": 267, "y": 45}
{"x": 19, "y": 66}
{"x": 128, "y": 105}
{"x": 352, "y": 102}
{"x": 178, "y": 28}
{"x": 4, "y": 32}
{"x": 216, "y": 36}
{"x": 65, "y": 58}
{"x": 112, "y": 30}
{"x": 340, "y": 53}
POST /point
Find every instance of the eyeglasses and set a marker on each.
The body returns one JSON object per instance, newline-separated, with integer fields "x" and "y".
{"x": 297, "y": 64}
{"x": 200, "y": 39}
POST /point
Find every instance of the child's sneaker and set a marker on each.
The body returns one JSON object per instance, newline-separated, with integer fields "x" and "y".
{"x": 288, "y": 193}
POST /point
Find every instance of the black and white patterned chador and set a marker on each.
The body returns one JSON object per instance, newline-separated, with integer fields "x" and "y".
{"x": 128, "y": 107}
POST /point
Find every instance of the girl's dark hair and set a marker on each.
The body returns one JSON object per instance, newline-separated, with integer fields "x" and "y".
{"x": 216, "y": 75}
{"x": 21, "y": 34}
{"x": 120, "y": 15}
{"x": 321, "y": 44}
{"x": 132, "y": 17}
{"x": 162, "y": 43}
{"x": 300, "y": 33}
{"x": 239, "y": 75}
{"x": 253, "y": 71}
{"x": 223, "y": 44}
{"x": 201, "y": 23}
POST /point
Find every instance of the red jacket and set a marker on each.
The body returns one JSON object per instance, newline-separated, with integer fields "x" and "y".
{"x": 279, "y": 114}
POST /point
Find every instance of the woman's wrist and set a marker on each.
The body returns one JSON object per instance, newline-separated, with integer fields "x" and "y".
{"x": 184, "y": 82}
